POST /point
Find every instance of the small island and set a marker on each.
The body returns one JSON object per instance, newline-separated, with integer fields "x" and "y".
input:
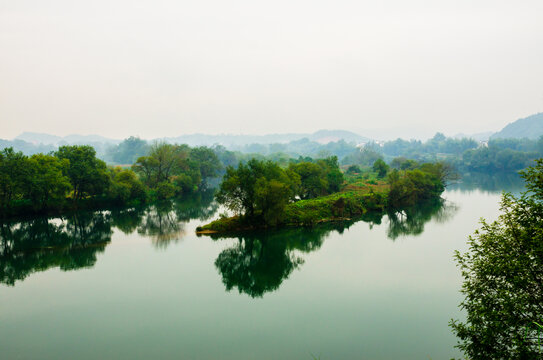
{"x": 263, "y": 194}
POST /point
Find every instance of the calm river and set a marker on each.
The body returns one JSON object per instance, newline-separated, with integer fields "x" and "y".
{"x": 139, "y": 284}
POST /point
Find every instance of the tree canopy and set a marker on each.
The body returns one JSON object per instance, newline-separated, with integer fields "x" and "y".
{"x": 87, "y": 174}
{"x": 258, "y": 188}
{"x": 503, "y": 279}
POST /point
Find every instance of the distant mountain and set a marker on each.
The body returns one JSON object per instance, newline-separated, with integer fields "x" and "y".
{"x": 47, "y": 139}
{"x": 327, "y": 136}
{"x": 89, "y": 139}
{"x": 530, "y": 127}
{"x": 26, "y": 147}
{"x": 39, "y": 138}
{"x": 321, "y": 136}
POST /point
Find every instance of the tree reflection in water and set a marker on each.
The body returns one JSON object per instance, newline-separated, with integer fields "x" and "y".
{"x": 74, "y": 241}
{"x": 260, "y": 261}
{"x": 411, "y": 221}
{"x": 161, "y": 224}
{"x": 164, "y": 222}
{"x": 39, "y": 244}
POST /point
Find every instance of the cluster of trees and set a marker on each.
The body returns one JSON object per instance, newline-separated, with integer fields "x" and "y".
{"x": 41, "y": 182}
{"x": 73, "y": 177}
{"x": 171, "y": 170}
{"x": 503, "y": 279}
{"x": 496, "y": 158}
{"x": 261, "y": 189}
{"x": 465, "y": 154}
{"x": 301, "y": 147}
{"x": 438, "y": 144}
{"x": 418, "y": 182}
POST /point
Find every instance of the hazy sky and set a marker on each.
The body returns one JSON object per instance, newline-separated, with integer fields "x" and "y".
{"x": 164, "y": 68}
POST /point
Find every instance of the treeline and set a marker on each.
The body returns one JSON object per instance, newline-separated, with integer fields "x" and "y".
{"x": 466, "y": 154}
{"x": 73, "y": 178}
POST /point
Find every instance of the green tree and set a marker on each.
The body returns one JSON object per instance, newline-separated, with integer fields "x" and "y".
{"x": 258, "y": 188}
{"x": 164, "y": 161}
{"x": 88, "y": 175}
{"x": 13, "y": 176}
{"x": 408, "y": 187}
{"x": 126, "y": 186}
{"x": 207, "y": 161}
{"x": 313, "y": 181}
{"x": 503, "y": 279}
{"x": 334, "y": 176}
{"x": 318, "y": 178}
{"x": 47, "y": 186}
{"x": 380, "y": 167}
{"x": 271, "y": 197}
{"x": 173, "y": 164}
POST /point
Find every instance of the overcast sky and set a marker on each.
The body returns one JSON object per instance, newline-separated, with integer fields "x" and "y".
{"x": 165, "y": 68}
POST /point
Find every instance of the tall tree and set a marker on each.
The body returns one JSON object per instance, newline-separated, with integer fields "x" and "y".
{"x": 503, "y": 279}
{"x": 88, "y": 175}
{"x": 207, "y": 161}
{"x": 257, "y": 188}
{"x": 163, "y": 162}
{"x": 13, "y": 175}
{"x": 47, "y": 186}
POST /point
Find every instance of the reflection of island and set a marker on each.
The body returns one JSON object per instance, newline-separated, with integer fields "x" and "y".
{"x": 260, "y": 261}
{"x": 74, "y": 242}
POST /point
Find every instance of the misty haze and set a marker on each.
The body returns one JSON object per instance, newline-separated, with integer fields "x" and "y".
{"x": 290, "y": 180}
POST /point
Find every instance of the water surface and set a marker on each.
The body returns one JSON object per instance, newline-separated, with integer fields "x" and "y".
{"x": 139, "y": 284}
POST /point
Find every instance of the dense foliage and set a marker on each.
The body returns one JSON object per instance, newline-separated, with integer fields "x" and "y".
{"x": 421, "y": 182}
{"x": 73, "y": 177}
{"x": 503, "y": 279}
{"x": 317, "y": 178}
{"x": 260, "y": 190}
{"x": 496, "y": 155}
{"x": 307, "y": 192}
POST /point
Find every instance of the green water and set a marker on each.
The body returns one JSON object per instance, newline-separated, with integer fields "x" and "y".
{"x": 139, "y": 284}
